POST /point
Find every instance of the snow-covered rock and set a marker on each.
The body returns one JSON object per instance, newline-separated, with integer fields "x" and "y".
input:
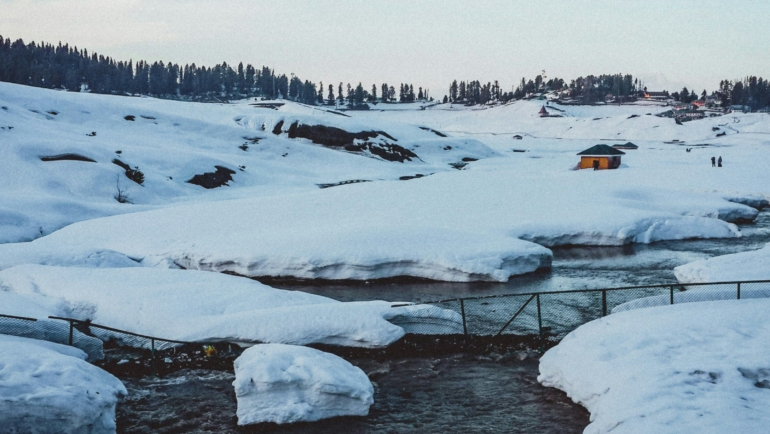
{"x": 190, "y": 305}
{"x": 754, "y": 265}
{"x": 285, "y": 384}
{"x": 688, "y": 368}
{"x": 49, "y": 388}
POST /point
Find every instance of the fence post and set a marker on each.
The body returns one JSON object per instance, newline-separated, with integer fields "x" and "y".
{"x": 154, "y": 372}
{"x": 739, "y": 290}
{"x": 539, "y": 317}
{"x": 672, "y": 294}
{"x": 72, "y": 326}
{"x": 604, "y": 302}
{"x": 462, "y": 311}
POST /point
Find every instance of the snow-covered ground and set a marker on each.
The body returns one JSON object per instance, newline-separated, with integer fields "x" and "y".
{"x": 49, "y": 388}
{"x": 286, "y": 384}
{"x": 753, "y": 265}
{"x": 689, "y": 368}
{"x": 493, "y": 219}
{"x": 199, "y": 306}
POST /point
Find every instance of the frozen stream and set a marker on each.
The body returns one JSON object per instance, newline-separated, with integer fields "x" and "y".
{"x": 573, "y": 268}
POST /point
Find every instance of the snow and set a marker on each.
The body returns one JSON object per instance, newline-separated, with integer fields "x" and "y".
{"x": 493, "y": 219}
{"x": 753, "y": 265}
{"x": 49, "y": 388}
{"x": 199, "y": 306}
{"x": 285, "y": 384}
{"x": 667, "y": 370}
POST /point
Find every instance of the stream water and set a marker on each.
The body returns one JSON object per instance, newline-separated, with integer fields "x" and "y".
{"x": 573, "y": 268}
{"x": 448, "y": 394}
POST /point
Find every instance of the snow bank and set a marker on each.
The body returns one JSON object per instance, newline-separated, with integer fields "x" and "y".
{"x": 699, "y": 293}
{"x": 49, "y": 388}
{"x": 690, "y": 368}
{"x": 286, "y": 384}
{"x": 754, "y": 265}
{"x": 189, "y": 305}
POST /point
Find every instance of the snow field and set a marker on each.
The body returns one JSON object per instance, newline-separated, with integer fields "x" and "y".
{"x": 49, "y": 388}
{"x": 287, "y": 384}
{"x": 667, "y": 370}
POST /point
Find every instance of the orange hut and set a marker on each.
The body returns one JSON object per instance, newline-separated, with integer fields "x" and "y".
{"x": 600, "y": 157}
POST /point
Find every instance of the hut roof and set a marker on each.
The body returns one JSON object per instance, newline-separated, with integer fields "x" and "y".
{"x": 601, "y": 150}
{"x": 543, "y": 110}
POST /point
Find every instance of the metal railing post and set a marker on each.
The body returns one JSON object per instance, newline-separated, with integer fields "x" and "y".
{"x": 462, "y": 311}
{"x": 604, "y": 302}
{"x": 672, "y": 294}
{"x": 539, "y": 317}
{"x": 739, "y": 290}
{"x": 154, "y": 372}
{"x": 72, "y": 326}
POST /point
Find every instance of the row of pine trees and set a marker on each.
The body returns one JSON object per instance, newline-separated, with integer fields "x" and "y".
{"x": 65, "y": 67}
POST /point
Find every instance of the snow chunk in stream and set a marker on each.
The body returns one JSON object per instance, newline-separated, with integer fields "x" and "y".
{"x": 49, "y": 388}
{"x": 689, "y": 368}
{"x": 285, "y": 384}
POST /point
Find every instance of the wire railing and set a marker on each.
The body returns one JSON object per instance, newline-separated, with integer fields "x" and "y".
{"x": 559, "y": 312}
{"x": 547, "y": 314}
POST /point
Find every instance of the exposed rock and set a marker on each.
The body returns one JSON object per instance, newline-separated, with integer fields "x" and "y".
{"x": 68, "y": 157}
{"x": 221, "y": 177}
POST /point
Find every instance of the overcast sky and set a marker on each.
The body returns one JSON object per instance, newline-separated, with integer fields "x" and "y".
{"x": 669, "y": 43}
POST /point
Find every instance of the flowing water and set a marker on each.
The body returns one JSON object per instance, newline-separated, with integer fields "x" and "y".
{"x": 452, "y": 394}
{"x": 573, "y": 268}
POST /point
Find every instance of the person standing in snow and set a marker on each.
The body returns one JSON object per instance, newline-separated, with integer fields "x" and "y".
{"x": 713, "y": 162}
{"x": 719, "y": 162}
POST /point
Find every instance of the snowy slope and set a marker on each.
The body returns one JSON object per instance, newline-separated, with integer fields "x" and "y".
{"x": 492, "y": 219}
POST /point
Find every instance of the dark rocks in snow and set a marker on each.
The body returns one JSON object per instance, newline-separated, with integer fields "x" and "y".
{"x": 91, "y": 134}
{"x": 129, "y": 118}
{"x": 68, "y": 157}
{"x": 458, "y": 166}
{"x": 336, "y": 184}
{"x": 220, "y": 177}
{"x": 133, "y": 174}
{"x": 52, "y": 112}
{"x": 244, "y": 147}
{"x": 278, "y": 128}
{"x": 407, "y": 177}
{"x": 469, "y": 159}
{"x": 438, "y": 133}
{"x": 337, "y": 138}
{"x": 148, "y": 117}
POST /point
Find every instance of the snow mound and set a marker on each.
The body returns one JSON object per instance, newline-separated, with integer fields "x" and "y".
{"x": 189, "y": 305}
{"x": 49, "y": 388}
{"x": 286, "y": 384}
{"x": 690, "y": 368}
{"x": 694, "y": 294}
{"x": 754, "y": 265}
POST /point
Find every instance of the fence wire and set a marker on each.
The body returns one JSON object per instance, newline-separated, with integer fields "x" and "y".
{"x": 558, "y": 313}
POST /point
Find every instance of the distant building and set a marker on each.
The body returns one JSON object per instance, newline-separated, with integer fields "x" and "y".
{"x": 600, "y": 157}
{"x": 627, "y": 145}
{"x": 543, "y": 112}
{"x": 658, "y": 96}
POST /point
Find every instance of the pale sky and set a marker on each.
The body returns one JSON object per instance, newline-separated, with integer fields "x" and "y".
{"x": 668, "y": 43}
